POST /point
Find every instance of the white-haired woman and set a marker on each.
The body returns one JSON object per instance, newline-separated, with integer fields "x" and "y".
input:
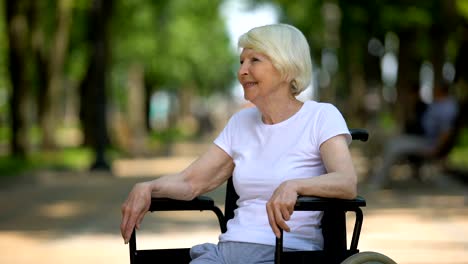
{"x": 275, "y": 151}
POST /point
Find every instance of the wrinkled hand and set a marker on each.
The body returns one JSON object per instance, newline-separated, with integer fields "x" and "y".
{"x": 280, "y": 207}
{"x": 134, "y": 209}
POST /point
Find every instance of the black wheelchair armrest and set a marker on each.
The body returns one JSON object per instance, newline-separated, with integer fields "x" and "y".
{"x": 308, "y": 203}
{"x": 200, "y": 203}
{"x": 359, "y": 134}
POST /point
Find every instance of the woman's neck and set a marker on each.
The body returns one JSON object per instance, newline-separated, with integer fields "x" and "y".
{"x": 278, "y": 111}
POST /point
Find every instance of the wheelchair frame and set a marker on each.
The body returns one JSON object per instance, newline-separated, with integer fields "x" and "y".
{"x": 333, "y": 225}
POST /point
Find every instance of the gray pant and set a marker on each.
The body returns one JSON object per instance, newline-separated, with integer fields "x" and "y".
{"x": 396, "y": 149}
{"x": 232, "y": 253}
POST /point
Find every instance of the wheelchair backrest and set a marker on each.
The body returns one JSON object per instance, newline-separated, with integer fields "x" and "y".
{"x": 231, "y": 200}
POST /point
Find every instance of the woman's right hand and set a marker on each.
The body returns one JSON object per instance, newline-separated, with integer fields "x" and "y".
{"x": 135, "y": 208}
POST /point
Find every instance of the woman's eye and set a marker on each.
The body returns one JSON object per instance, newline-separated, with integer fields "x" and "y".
{"x": 253, "y": 59}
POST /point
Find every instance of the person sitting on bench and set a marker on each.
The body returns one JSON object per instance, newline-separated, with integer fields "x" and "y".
{"x": 438, "y": 123}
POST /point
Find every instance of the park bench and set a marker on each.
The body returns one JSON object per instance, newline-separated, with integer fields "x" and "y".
{"x": 443, "y": 148}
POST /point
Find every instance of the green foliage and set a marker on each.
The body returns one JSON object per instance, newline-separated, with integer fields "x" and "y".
{"x": 78, "y": 56}
{"x": 306, "y": 15}
{"x": 414, "y": 17}
{"x": 183, "y": 44}
{"x": 133, "y": 32}
{"x": 458, "y": 158}
{"x": 4, "y": 135}
{"x": 463, "y": 138}
{"x": 462, "y": 7}
{"x": 387, "y": 121}
{"x": 63, "y": 159}
{"x": 33, "y": 134}
{"x": 180, "y": 43}
{"x": 167, "y": 135}
{"x": 4, "y": 79}
{"x": 12, "y": 166}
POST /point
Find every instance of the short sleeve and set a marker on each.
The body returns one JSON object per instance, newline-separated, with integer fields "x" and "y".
{"x": 331, "y": 123}
{"x": 224, "y": 139}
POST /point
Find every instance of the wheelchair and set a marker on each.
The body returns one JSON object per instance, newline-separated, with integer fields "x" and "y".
{"x": 333, "y": 224}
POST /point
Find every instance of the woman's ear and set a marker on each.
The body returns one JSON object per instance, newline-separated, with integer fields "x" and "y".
{"x": 293, "y": 87}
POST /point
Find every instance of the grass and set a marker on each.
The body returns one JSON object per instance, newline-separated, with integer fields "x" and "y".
{"x": 168, "y": 135}
{"x": 74, "y": 159}
{"x": 458, "y": 158}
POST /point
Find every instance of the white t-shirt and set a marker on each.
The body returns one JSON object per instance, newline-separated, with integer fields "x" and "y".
{"x": 266, "y": 155}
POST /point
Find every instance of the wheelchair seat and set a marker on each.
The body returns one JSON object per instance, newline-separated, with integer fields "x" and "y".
{"x": 333, "y": 226}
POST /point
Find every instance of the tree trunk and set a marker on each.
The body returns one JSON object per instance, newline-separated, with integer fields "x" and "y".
{"x": 40, "y": 57}
{"x": 93, "y": 88}
{"x": 461, "y": 66}
{"x": 51, "y": 103}
{"x": 440, "y": 30}
{"x": 354, "y": 82}
{"x": 408, "y": 74}
{"x": 136, "y": 108}
{"x": 19, "y": 43}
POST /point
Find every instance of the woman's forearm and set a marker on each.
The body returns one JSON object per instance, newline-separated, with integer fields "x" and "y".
{"x": 205, "y": 174}
{"x": 172, "y": 186}
{"x": 332, "y": 185}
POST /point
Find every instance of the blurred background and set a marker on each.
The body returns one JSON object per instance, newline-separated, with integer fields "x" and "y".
{"x": 101, "y": 94}
{"x": 84, "y": 82}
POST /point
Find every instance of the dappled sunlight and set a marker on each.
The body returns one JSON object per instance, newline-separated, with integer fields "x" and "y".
{"x": 61, "y": 209}
{"x": 19, "y": 248}
{"x": 416, "y": 235}
{"x": 442, "y": 201}
{"x": 79, "y": 223}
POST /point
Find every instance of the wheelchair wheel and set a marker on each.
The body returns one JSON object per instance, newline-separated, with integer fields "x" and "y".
{"x": 368, "y": 257}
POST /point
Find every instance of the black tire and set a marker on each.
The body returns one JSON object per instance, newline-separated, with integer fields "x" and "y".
{"x": 368, "y": 257}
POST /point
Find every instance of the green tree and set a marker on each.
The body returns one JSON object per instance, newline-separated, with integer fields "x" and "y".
{"x": 19, "y": 42}
{"x": 179, "y": 46}
{"x": 51, "y": 50}
{"x": 93, "y": 88}
{"x": 344, "y": 28}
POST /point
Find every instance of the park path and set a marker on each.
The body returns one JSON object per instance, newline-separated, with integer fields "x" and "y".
{"x": 64, "y": 217}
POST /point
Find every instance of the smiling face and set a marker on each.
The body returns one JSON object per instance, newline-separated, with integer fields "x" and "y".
{"x": 259, "y": 78}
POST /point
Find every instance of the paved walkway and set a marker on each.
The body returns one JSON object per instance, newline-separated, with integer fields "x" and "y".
{"x": 74, "y": 218}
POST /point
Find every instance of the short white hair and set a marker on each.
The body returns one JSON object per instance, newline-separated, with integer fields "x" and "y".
{"x": 287, "y": 48}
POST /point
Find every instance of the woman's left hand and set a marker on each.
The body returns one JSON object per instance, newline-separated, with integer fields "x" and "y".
{"x": 280, "y": 207}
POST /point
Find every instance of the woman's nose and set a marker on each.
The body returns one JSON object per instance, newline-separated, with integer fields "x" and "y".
{"x": 243, "y": 69}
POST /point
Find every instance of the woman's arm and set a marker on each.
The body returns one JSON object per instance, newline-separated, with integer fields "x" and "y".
{"x": 340, "y": 181}
{"x": 203, "y": 175}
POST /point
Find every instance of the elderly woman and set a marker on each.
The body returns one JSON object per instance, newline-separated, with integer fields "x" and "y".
{"x": 275, "y": 151}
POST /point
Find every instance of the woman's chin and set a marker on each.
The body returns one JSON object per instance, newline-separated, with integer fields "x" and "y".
{"x": 249, "y": 97}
